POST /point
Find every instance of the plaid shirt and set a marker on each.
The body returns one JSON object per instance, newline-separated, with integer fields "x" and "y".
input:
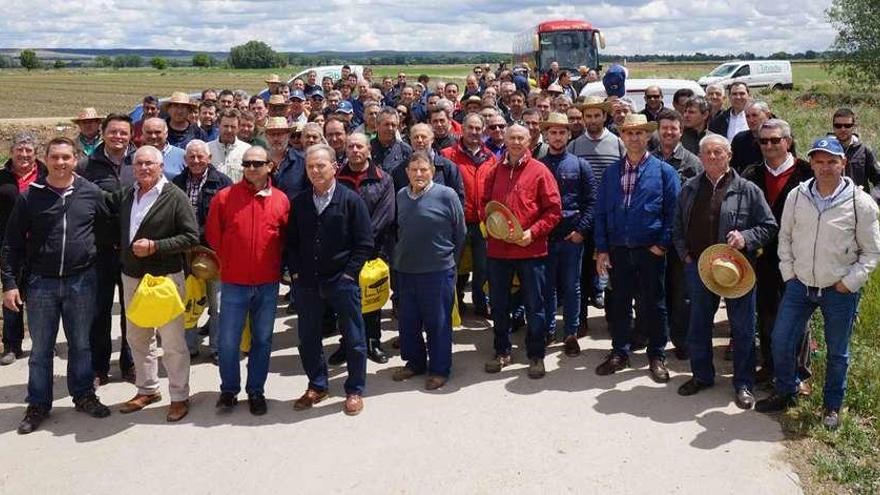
{"x": 194, "y": 189}
{"x": 629, "y": 178}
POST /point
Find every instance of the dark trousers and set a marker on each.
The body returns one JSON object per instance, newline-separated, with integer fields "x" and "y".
{"x": 477, "y": 243}
{"x": 344, "y": 297}
{"x": 531, "y": 274}
{"x": 426, "y": 304}
{"x": 769, "y": 287}
{"x": 13, "y": 330}
{"x": 638, "y": 273}
{"x": 678, "y": 302}
{"x": 108, "y": 269}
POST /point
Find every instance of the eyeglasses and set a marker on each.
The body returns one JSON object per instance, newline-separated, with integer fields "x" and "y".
{"x": 840, "y": 125}
{"x": 773, "y": 140}
{"x": 254, "y": 163}
{"x": 495, "y": 127}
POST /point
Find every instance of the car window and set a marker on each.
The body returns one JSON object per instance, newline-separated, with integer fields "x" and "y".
{"x": 743, "y": 71}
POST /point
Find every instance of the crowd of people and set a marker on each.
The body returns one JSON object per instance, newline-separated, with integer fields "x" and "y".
{"x": 533, "y": 197}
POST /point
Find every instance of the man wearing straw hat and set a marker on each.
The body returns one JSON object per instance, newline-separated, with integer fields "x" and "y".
{"x": 633, "y": 229}
{"x": 89, "y": 137}
{"x": 824, "y": 264}
{"x": 180, "y": 130}
{"x": 521, "y": 206}
{"x": 574, "y": 177}
{"x": 721, "y": 222}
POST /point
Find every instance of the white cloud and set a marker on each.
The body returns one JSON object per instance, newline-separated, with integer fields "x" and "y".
{"x": 630, "y": 26}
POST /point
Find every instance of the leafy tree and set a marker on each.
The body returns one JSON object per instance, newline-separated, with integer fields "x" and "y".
{"x": 59, "y": 64}
{"x": 203, "y": 60}
{"x": 159, "y": 63}
{"x": 29, "y": 60}
{"x": 121, "y": 61}
{"x": 254, "y": 55}
{"x": 856, "y": 50}
{"x": 103, "y": 61}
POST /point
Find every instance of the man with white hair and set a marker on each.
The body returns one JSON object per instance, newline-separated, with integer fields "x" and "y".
{"x": 157, "y": 226}
{"x": 227, "y": 150}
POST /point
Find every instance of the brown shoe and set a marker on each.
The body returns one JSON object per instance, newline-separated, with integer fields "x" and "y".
{"x": 612, "y": 364}
{"x": 353, "y": 405}
{"x": 571, "y": 346}
{"x": 434, "y": 382}
{"x": 805, "y": 389}
{"x": 658, "y": 370}
{"x": 139, "y": 402}
{"x": 309, "y": 399}
{"x": 177, "y": 411}
{"x": 403, "y": 373}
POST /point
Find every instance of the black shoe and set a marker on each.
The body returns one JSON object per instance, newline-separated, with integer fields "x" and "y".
{"x": 32, "y": 419}
{"x": 612, "y": 364}
{"x": 659, "y": 372}
{"x": 744, "y": 399}
{"x": 375, "y": 352}
{"x": 776, "y": 403}
{"x": 92, "y": 406}
{"x": 691, "y": 387}
{"x": 257, "y": 404}
{"x": 339, "y": 356}
{"x": 599, "y": 301}
{"x": 226, "y": 402}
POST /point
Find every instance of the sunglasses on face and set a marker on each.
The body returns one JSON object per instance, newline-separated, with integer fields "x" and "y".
{"x": 773, "y": 140}
{"x": 652, "y": 97}
{"x": 840, "y": 125}
{"x": 495, "y": 127}
{"x": 253, "y": 163}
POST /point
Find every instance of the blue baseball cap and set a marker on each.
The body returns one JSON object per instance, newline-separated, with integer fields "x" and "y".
{"x": 316, "y": 93}
{"x": 298, "y": 94}
{"x": 828, "y": 145}
{"x": 614, "y": 81}
{"x": 344, "y": 107}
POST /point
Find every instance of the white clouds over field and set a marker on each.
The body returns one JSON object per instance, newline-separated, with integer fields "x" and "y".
{"x": 631, "y": 26}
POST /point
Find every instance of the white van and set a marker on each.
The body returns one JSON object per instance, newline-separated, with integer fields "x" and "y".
{"x": 774, "y": 74}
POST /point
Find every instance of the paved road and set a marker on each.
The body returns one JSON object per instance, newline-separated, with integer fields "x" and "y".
{"x": 572, "y": 432}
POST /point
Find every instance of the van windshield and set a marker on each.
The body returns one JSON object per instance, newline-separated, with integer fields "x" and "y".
{"x": 723, "y": 70}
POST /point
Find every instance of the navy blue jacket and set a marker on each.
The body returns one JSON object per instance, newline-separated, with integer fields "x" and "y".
{"x": 290, "y": 176}
{"x": 215, "y": 181}
{"x": 648, "y": 219}
{"x": 445, "y": 172}
{"x": 377, "y": 191}
{"x": 99, "y": 170}
{"x": 321, "y": 248}
{"x": 182, "y": 138}
{"x": 392, "y": 157}
{"x": 51, "y": 234}
{"x": 577, "y": 189}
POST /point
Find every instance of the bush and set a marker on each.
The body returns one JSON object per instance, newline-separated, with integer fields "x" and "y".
{"x": 254, "y": 55}
{"x": 159, "y": 63}
{"x": 29, "y": 60}
{"x": 203, "y": 60}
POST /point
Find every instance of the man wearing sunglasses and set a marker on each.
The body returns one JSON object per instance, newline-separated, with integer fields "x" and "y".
{"x": 861, "y": 163}
{"x": 653, "y": 103}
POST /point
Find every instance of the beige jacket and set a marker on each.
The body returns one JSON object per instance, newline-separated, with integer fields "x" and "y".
{"x": 227, "y": 157}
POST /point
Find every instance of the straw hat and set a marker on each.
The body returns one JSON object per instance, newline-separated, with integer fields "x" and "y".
{"x": 725, "y": 271}
{"x": 501, "y": 223}
{"x": 278, "y": 100}
{"x": 555, "y": 119}
{"x": 555, "y": 88}
{"x": 178, "y": 98}
{"x": 277, "y": 124}
{"x": 205, "y": 263}
{"x": 594, "y": 102}
{"x": 274, "y": 79}
{"x": 86, "y": 114}
{"x": 636, "y": 122}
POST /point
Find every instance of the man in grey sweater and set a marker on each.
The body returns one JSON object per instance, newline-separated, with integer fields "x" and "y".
{"x": 431, "y": 233}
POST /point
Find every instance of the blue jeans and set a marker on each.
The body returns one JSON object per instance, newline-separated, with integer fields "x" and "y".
{"x": 212, "y": 287}
{"x": 532, "y": 274}
{"x": 70, "y": 300}
{"x": 638, "y": 273}
{"x": 426, "y": 303}
{"x": 563, "y": 273}
{"x": 740, "y": 313}
{"x": 236, "y": 303}
{"x": 344, "y": 297}
{"x": 838, "y": 313}
{"x": 478, "y": 254}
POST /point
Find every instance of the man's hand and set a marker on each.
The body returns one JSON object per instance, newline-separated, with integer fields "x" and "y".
{"x": 12, "y": 300}
{"x": 838, "y": 286}
{"x": 575, "y": 237}
{"x": 735, "y": 239}
{"x": 657, "y": 250}
{"x": 143, "y": 248}
{"x": 603, "y": 263}
{"x": 526, "y": 239}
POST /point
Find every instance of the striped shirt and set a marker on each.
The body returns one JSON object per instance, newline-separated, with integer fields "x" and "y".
{"x": 601, "y": 153}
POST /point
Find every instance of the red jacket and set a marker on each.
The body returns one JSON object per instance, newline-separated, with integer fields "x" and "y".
{"x": 247, "y": 232}
{"x": 530, "y": 191}
{"x": 474, "y": 169}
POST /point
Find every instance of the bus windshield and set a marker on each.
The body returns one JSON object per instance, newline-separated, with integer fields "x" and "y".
{"x": 570, "y": 49}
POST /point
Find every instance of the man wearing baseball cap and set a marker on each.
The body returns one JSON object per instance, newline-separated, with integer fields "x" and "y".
{"x": 824, "y": 266}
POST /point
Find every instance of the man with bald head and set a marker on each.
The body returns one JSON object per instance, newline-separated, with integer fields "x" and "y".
{"x": 157, "y": 226}
{"x": 528, "y": 189}
{"x": 155, "y": 133}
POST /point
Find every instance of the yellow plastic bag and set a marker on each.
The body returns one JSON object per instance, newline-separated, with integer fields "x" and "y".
{"x": 155, "y": 302}
{"x": 456, "y": 316}
{"x": 196, "y": 301}
{"x": 375, "y": 282}
{"x": 245, "y": 345}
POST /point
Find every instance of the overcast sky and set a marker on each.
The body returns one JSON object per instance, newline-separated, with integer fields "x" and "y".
{"x": 630, "y": 26}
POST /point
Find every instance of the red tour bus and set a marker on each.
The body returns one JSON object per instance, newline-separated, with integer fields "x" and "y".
{"x": 571, "y": 43}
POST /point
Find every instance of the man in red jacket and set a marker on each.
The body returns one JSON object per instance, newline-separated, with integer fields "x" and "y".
{"x": 528, "y": 188}
{"x": 475, "y": 162}
{"x": 245, "y": 227}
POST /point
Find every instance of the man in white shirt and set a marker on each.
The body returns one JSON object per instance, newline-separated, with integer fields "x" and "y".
{"x": 227, "y": 150}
